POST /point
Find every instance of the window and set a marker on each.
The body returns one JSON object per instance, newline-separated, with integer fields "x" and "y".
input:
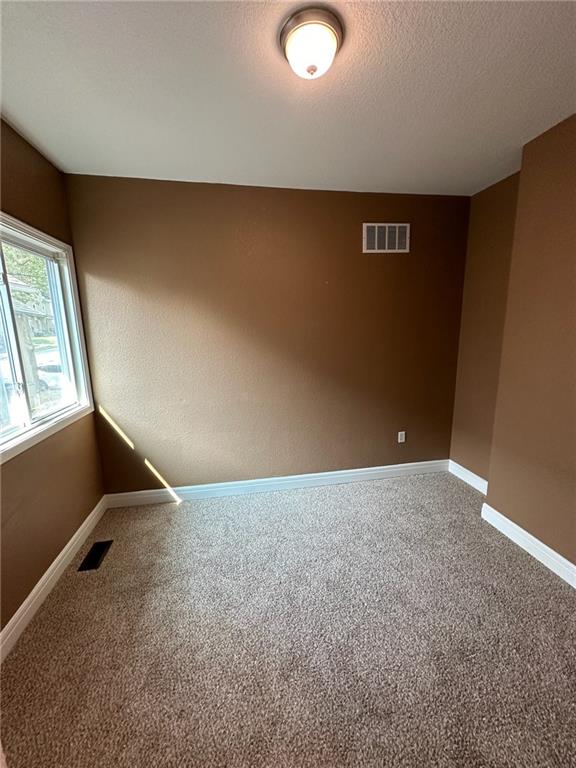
{"x": 44, "y": 382}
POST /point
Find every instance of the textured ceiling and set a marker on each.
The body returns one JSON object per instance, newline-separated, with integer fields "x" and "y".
{"x": 423, "y": 97}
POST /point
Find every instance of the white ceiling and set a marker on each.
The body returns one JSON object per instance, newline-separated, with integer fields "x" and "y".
{"x": 423, "y": 97}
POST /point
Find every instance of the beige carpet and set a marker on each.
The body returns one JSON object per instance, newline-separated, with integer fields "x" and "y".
{"x": 371, "y": 624}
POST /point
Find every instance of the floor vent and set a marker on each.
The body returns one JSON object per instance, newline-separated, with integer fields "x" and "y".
{"x": 96, "y": 554}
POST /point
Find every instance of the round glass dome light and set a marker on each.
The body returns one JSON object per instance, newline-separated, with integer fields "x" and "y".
{"x": 310, "y": 40}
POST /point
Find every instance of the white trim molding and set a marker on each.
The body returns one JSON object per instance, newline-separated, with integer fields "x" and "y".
{"x": 468, "y": 477}
{"x": 240, "y": 487}
{"x": 35, "y": 435}
{"x": 25, "y": 613}
{"x": 547, "y": 556}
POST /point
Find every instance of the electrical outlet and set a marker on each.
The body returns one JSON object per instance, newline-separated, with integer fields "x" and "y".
{"x": 401, "y": 437}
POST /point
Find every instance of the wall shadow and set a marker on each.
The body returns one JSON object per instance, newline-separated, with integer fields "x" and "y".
{"x": 118, "y": 454}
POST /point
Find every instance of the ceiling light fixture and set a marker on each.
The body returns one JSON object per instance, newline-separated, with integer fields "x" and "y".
{"x": 310, "y": 40}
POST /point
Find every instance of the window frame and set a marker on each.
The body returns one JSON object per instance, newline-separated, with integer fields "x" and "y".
{"x": 18, "y": 233}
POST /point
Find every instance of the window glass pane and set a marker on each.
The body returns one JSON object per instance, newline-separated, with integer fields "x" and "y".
{"x": 13, "y": 414}
{"x": 40, "y": 325}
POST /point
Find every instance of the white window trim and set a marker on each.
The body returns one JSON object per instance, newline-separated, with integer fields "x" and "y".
{"x": 68, "y": 416}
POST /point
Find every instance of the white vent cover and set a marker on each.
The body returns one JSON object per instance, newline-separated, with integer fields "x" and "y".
{"x": 385, "y": 238}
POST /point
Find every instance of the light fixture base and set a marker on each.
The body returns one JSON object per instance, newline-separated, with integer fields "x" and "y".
{"x": 309, "y": 16}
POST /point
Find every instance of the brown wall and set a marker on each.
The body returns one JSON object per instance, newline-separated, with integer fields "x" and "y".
{"x": 47, "y": 491}
{"x": 33, "y": 190}
{"x": 490, "y": 234}
{"x": 532, "y": 477}
{"x": 239, "y": 332}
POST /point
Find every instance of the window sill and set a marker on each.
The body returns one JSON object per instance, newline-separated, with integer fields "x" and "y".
{"x": 37, "y": 434}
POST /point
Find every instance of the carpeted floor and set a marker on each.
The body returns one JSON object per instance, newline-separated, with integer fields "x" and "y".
{"x": 371, "y": 624}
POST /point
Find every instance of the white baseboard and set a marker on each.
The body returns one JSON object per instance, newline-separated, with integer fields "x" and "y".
{"x": 469, "y": 477}
{"x": 315, "y": 479}
{"x": 547, "y": 556}
{"x": 18, "y": 623}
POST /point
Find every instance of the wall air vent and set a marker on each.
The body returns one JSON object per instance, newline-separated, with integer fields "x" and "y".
{"x": 385, "y": 238}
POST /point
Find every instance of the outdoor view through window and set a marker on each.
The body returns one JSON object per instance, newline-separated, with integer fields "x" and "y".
{"x": 39, "y": 376}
